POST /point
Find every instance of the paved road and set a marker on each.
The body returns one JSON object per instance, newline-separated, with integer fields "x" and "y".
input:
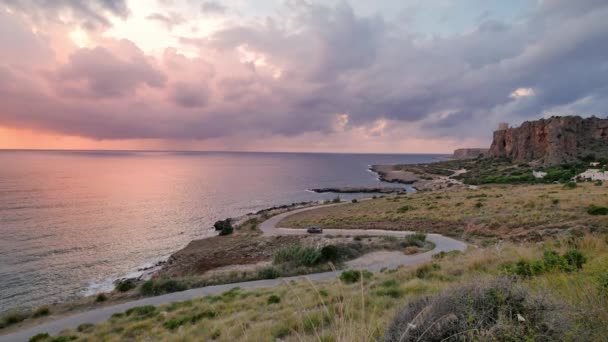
{"x": 269, "y": 227}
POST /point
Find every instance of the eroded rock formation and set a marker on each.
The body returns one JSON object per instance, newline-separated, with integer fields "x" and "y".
{"x": 552, "y": 141}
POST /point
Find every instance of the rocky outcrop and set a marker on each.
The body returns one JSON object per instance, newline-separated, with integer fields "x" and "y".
{"x": 552, "y": 141}
{"x": 470, "y": 153}
{"x": 353, "y": 190}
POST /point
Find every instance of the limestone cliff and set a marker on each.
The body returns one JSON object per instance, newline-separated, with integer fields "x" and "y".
{"x": 552, "y": 141}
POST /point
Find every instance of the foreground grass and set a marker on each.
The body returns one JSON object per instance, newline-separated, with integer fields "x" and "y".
{"x": 518, "y": 212}
{"x": 361, "y": 311}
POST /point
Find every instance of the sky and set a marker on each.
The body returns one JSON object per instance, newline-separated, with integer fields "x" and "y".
{"x": 383, "y": 76}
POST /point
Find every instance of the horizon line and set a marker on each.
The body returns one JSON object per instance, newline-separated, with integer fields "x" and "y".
{"x": 205, "y": 151}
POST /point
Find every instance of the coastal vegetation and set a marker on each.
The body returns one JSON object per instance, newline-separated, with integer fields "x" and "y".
{"x": 473, "y": 295}
{"x": 484, "y": 215}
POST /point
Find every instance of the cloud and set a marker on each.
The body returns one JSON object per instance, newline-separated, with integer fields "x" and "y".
{"x": 91, "y": 14}
{"x": 169, "y": 20}
{"x": 316, "y": 70}
{"x": 212, "y": 8}
{"x": 98, "y": 73}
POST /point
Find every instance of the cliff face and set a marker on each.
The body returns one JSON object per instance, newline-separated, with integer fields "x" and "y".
{"x": 470, "y": 153}
{"x": 552, "y": 141}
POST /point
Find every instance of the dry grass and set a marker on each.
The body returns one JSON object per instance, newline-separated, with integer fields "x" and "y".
{"x": 513, "y": 211}
{"x": 333, "y": 311}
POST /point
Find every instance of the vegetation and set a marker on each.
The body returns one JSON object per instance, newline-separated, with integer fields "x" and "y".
{"x": 507, "y": 211}
{"x": 155, "y": 287}
{"x": 224, "y": 227}
{"x": 597, "y": 210}
{"x": 125, "y": 285}
{"x": 42, "y": 311}
{"x": 353, "y": 276}
{"x": 470, "y": 294}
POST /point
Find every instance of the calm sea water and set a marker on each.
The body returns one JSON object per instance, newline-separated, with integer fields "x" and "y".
{"x": 71, "y": 222}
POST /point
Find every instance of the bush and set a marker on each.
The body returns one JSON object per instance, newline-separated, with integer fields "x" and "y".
{"x": 42, "y": 311}
{"x": 478, "y": 205}
{"x": 142, "y": 311}
{"x": 483, "y": 310}
{"x": 570, "y": 261}
{"x": 173, "y": 324}
{"x": 354, "y": 200}
{"x": 329, "y": 253}
{"x": 416, "y": 239}
{"x": 224, "y": 227}
{"x": 336, "y": 200}
{"x": 158, "y": 287}
{"x": 125, "y": 285}
{"x": 298, "y": 256}
{"x": 269, "y": 273}
{"x": 596, "y": 210}
{"x": 570, "y": 185}
{"x": 39, "y": 337}
{"x": 101, "y": 298}
{"x": 13, "y": 317}
{"x": 274, "y": 299}
{"x": 353, "y": 276}
{"x": 599, "y": 183}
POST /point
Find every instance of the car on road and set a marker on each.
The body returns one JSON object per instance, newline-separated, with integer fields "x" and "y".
{"x": 314, "y": 230}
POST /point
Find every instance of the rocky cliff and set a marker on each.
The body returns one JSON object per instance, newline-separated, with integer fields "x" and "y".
{"x": 552, "y": 141}
{"x": 469, "y": 153}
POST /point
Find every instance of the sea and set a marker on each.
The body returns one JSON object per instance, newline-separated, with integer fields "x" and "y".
{"x": 72, "y": 222}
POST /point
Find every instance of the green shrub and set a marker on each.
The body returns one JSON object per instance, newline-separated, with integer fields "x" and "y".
{"x": 42, "y": 311}
{"x": 570, "y": 185}
{"x": 224, "y": 227}
{"x": 392, "y": 292}
{"x": 478, "y": 205}
{"x": 416, "y": 239}
{"x": 598, "y": 183}
{"x": 298, "y": 256}
{"x": 405, "y": 209}
{"x": 353, "y": 276}
{"x": 602, "y": 283}
{"x": 175, "y": 323}
{"x": 274, "y": 299}
{"x": 336, "y": 200}
{"x": 570, "y": 261}
{"x": 142, "y": 311}
{"x": 354, "y": 200}
{"x": 597, "y": 210}
{"x": 161, "y": 286}
{"x": 101, "y": 298}
{"x": 39, "y": 337}
{"x": 125, "y": 285}
{"x": 324, "y": 293}
{"x": 329, "y": 253}
{"x": 269, "y": 273}
{"x": 575, "y": 259}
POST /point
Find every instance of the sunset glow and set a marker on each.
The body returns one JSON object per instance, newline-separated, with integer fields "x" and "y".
{"x": 235, "y": 75}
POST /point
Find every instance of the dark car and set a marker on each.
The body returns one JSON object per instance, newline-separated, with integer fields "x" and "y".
{"x": 314, "y": 230}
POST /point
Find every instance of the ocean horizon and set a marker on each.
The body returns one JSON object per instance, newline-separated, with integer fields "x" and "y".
{"x": 73, "y": 221}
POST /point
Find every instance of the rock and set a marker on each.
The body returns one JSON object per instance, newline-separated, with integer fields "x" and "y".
{"x": 470, "y": 153}
{"x": 350, "y": 190}
{"x": 552, "y": 141}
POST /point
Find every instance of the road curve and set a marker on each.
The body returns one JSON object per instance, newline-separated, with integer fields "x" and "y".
{"x": 268, "y": 227}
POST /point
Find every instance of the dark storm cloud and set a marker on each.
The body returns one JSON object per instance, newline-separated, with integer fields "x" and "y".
{"x": 90, "y": 13}
{"x": 98, "y": 73}
{"x": 330, "y": 62}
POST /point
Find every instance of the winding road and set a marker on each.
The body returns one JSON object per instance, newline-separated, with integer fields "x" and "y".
{"x": 268, "y": 227}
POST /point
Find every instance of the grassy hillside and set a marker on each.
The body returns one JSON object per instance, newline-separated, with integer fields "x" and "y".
{"x": 362, "y": 310}
{"x": 509, "y": 211}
